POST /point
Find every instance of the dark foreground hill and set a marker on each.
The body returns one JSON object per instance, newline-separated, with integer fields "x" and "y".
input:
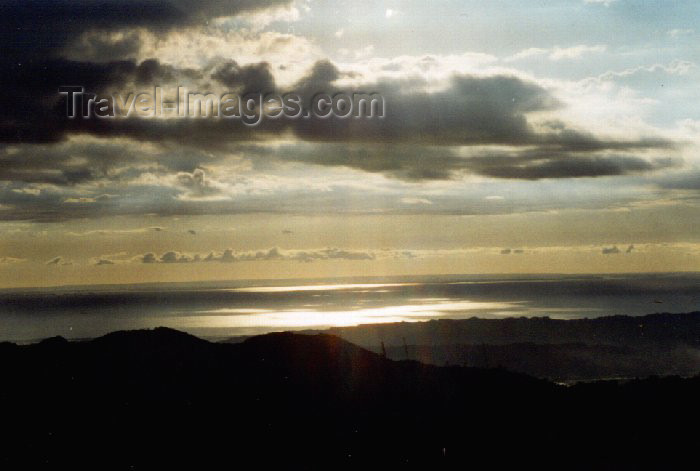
{"x": 162, "y": 399}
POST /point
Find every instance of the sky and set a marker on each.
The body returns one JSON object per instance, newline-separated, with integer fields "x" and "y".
{"x": 518, "y": 137}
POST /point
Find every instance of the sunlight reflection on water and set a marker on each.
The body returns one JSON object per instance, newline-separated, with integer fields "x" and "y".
{"x": 338, "y": 287}
{"x": 228, "y": 309}
{"x": 305, "y": 318}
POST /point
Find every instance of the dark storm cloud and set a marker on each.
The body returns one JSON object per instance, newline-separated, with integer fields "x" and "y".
{"x": 540, "y": 164}
{"x": 420, "y": 132}
{"x": 151, "y": 71}
{"x": 400, "y": 161}
{"x": 71, "y": 163}
{"x": 470, "y": 111}
{"x": 48, "y": 190}
{"x": 33, "y": 35}
{"x": 439, "y": 163}
{"x": 96, "y": 47}
{"x": 54, "y": 164}
{"x": 38, "y": 27}
{"x": 253, "y": 78}
{"x": 689, "y": 180}
{"x": 414, "y": 141}
{"x": 44, "y": 178}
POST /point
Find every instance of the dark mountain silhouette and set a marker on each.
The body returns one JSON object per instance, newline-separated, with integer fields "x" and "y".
{"x": 654, "y": 330}
{"x": 561, "y": 350}
{"x": 163, "y": 399}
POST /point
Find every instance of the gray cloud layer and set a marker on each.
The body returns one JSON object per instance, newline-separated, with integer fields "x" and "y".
{"x": 436, "y": 135}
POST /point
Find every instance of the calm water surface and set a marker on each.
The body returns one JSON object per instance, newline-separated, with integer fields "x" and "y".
{"x": 224, "y": 309}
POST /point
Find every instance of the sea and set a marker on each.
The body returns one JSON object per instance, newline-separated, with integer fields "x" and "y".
{"x": 220, "y": 310}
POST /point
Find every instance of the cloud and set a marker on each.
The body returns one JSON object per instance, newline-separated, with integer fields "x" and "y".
{"x": 527, "y": 53}
{"x": 197, "y": 184}
{"x": 168, "y": 257}
{"x": 558, "y": 53}
{"x": 33, "y": 68}
{"x": 79, "y": 200}
{"x": 110, "y": 232}
{"x": 332, "y": 254}
{"x": 149, "y": 258}
{"x": 229, "y": 256}
{"x": 674, "y": 33}
{"x": 537, "y": 165}
{"x": 469, "y": 111}
{"x": 643, "y": 74}
{"x": 415, "y": 201}
{"x": 101, "y": 46}
{"x": 112, "y": 259}
{"x": 687, "y": 180}
{"x": 574, "y": 52}
{"x": 39, "y": 27}
{"x": 607, "y": 3}
{"x": 582, "y": 159}
{"x": 175, "y": 257}
{"x": 252, "y": 78}
{"x": 466, "y": 123}
{"x": 11, "y": 260}
{"x": 258, "y": 20}
{"x": 275, "y": 178}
